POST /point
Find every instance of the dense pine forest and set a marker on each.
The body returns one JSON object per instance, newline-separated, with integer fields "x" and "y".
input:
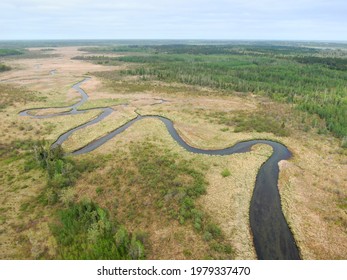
{"x": 312, "y": 78}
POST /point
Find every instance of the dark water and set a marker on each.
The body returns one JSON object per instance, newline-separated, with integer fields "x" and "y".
{"x": 73, "y": 110}
{"x": 271, "y": 235}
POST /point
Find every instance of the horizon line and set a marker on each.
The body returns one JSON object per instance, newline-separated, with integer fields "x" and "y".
{"x": 179, "y": 39}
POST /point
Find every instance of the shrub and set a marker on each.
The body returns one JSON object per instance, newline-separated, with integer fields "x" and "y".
{"x": 225, "y": 173}
{"x": 136, "y": 249}
{"x": 344, "y": 142}
{"x": 61, "y": 171}
{"x": 85, "y": 231}
{"x": 4, "y": 68}
{"x": 67, "y": 196}
{"x": 214, "y": 230}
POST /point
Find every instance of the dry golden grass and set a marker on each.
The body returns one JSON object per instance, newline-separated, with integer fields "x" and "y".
{"x": 16, "y": 190}
{"x": 15, "y": 127}
{"x": 225, "y": 197}
{"x": 312, "y": 184}
{"x": 48, "y": 111}
{"x": 95, "y": 131}
{"x": 228, "y": 198}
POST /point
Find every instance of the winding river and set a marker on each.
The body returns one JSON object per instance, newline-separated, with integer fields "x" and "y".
{"x": 271, "y": 234}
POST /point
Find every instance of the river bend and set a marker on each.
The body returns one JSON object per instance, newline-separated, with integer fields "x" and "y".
{"x": 271, "y": 235}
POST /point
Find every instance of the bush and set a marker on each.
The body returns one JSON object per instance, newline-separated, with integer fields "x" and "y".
{"x": 214, "y": 230}
{"x": 344, "y": 142}
{"x": 67, "y": 196}
{"x": 85, "y": 231}
{"x": 260, "y": 123}
{"x": 4, "y": 68}
{"x": 136, "y": 249}
{"x": 122, "y": 237}
{"x": 225, "y": 173}
{"x": 61, "y": 171}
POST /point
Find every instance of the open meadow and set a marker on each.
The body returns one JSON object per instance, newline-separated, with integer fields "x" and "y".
{"x": 141, "y": 195}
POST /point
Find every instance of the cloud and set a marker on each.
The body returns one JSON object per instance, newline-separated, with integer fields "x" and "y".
{"x": 228, "y": 19}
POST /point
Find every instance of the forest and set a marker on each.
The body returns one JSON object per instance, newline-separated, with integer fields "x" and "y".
{"x": 7, "y": 52}
{"x": 313, "y": 79}
{"x": 140, "y": 196}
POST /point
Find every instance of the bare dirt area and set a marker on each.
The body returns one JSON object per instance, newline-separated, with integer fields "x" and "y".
{"x": 312, "y": 184}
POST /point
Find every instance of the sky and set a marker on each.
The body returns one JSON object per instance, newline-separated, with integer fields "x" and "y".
{"x": 174, "y": 19}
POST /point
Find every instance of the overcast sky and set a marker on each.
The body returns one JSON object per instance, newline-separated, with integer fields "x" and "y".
{"x": 174, "y": 19}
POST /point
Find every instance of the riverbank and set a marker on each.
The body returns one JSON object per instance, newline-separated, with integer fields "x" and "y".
{"x": 311, "y": 199}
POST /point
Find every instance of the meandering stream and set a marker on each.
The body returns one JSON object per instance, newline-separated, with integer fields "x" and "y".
{"x": 271, "y": 234}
